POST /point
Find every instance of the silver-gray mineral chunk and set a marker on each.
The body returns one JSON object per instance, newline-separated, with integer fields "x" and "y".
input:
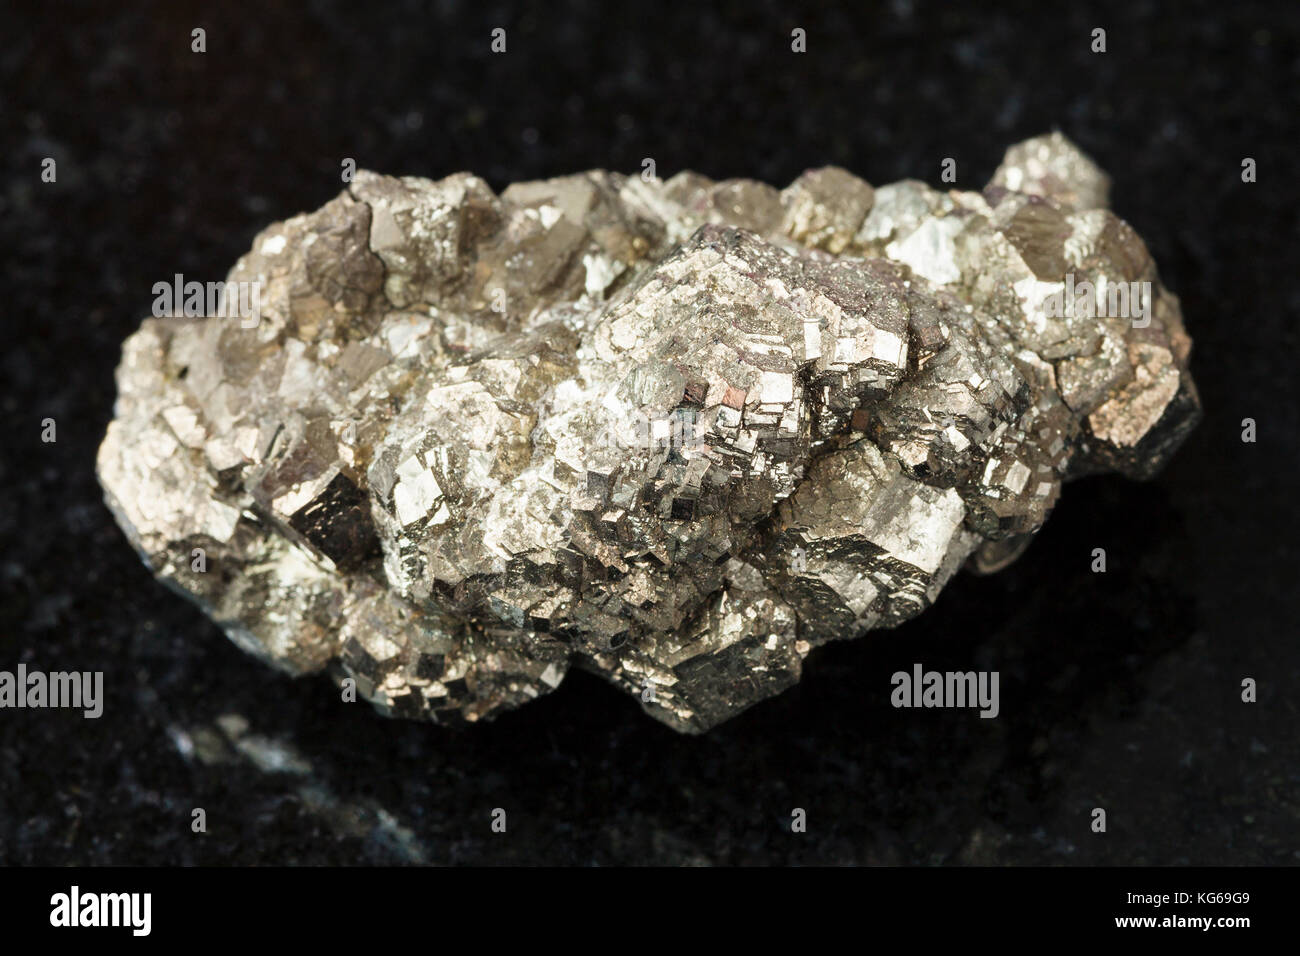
{"x": 677, "y": 433}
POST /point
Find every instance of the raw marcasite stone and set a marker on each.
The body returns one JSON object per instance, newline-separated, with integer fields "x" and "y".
{"x": 678, "y": 433}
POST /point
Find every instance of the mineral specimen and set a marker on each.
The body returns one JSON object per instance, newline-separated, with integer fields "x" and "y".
{"x": 678, "y": 433}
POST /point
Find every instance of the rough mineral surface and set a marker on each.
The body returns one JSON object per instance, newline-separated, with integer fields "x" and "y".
{"x": 678, "y": 433}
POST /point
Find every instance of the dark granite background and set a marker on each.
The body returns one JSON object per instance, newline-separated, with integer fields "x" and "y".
{"x": 1119, "y": 690}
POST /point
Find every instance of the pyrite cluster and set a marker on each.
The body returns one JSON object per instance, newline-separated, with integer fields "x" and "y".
{"x": 675, "y": 432}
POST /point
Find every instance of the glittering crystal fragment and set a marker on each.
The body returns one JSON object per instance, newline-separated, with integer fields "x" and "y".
{"x": 675, "y": 432}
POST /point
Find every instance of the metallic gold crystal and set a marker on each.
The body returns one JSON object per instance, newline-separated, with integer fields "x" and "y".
{"x": 679, "y": 433}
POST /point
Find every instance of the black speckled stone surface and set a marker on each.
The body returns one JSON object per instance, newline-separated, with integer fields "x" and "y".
{"x": 1119, "y": 690}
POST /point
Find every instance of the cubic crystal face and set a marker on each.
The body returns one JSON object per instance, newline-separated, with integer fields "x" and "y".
{"x": 679, "y": 433}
